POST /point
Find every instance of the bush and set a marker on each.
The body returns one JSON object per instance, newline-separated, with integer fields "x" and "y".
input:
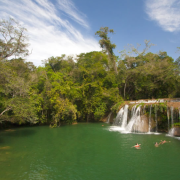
{"x": 176, "y": 124}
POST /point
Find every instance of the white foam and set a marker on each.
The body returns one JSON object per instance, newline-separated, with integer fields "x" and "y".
{"x": 124, "y": 131}
{"x": 116, "y": 128}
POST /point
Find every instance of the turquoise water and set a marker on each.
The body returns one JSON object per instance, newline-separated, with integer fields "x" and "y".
{"x": 85, "y": 152}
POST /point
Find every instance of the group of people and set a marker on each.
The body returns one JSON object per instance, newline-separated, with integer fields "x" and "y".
{"x": 162, "y": 142}
{"x": 138, "y": 146}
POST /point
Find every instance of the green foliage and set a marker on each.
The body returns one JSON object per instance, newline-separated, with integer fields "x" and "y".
{"x": 140, "y": 104}
{"x": 147, "y": 75}
{"x": 106, "y": 44}
{"x": 100, "y": 111}
{"x": 115, "y": 108}
{"x": 66, "y": 90}
{"x": 176, "y": 124}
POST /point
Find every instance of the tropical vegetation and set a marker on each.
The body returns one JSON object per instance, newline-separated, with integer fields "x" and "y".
{"x": 67, "y": 89}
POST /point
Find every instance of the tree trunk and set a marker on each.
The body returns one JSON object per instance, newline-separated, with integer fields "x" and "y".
{"x": 124, "y": 89}
{"x": 115, "y": 66}
{"x": 7, "y": 109}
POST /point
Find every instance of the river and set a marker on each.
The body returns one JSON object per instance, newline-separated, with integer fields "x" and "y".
{"x": 86, "y": 151}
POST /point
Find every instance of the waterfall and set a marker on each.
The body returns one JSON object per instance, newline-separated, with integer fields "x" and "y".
{"x": 133, "y": 110}
{"x": 171, "y": 131}
{"x": 172, "y": 120}
{"x": 138, "y": 121}
{"x": 124, "y": 119}
{"x": 119, "y": 117}
{"x": 109, "y": 117}
{"x": 150, "y": 119}
{"x": 135, "y": 120}
{"x": 156, "y": 118}
{"x": 168, "y": 117}
{"x": 144, "y": 108}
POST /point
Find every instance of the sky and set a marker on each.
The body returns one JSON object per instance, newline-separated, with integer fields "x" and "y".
{"x": 57, "y": 27}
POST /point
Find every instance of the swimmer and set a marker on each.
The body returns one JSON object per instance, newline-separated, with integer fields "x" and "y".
{"x": 165, "y": 141}
{"x": 162, "y": 142}
{"x": 156, "y": 144}
{"x": 137, "y": 146}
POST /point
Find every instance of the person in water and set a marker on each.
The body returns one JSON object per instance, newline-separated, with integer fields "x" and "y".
{"x": 156, "y": 144}
{"x": 165, "y": 141}
{"x": 162, "y": 142}
{"x": 137, "y": 146}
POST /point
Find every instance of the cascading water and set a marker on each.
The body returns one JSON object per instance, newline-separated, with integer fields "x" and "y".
{"x": 134, "y": 121}
{"x": 119, "y": 117}
{"x": 109, "y": 117}
{"x": 171, "y": 132}
{"x": 168, "y": 118}
{"x": 135, "y": 124}
{"x": 138, "y": 121}
{"x": 172, "y": 112}
{"x": 144, "y": 109}
{"x": 124, "y": 119}
{"x": 156, "y": 118}
{"x": 133, "y": 110}
{"x": 150, "y": 119}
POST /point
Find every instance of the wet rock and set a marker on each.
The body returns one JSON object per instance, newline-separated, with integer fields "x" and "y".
{"x": 176, "y": 131}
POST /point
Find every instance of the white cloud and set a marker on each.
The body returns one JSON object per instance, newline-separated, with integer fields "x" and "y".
{"x": 69, "y": 8}
{"x": 165, "y": 12}
{"x": 49, "y": 32}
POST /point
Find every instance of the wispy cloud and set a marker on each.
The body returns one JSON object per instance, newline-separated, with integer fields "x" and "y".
{"x": 69, "y": 8}
{"x": 50, "y": 31}
{"x": 165, "y": 12}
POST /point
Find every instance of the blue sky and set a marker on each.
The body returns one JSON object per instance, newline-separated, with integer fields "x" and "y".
{"x": 58, "y": 27}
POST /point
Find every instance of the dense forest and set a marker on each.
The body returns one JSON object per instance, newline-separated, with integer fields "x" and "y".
{"x": 86, "y": 88}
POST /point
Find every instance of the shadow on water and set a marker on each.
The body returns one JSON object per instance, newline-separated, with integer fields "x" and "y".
{"x": 1, "y": 140}
{"x": 20, "y": 133}
{"x": 5, "y": 136}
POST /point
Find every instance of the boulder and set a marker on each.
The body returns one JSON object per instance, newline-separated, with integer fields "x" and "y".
{"x": 176, "y": 131}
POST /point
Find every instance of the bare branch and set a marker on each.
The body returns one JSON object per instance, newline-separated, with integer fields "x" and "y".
{"x": 7, "y": 109}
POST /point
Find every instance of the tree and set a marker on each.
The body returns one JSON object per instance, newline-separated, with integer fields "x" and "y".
{"x": 15, "y": 103}
{"x": 56, "y": 91}
{"x": 106, "y": 44}
{"x": 148, "y": 75}
{"x": 129, "y": 68}
{"x": 15, "y": 74}
{"x": 97, "y": 86}
{"x": 13, "y": 40}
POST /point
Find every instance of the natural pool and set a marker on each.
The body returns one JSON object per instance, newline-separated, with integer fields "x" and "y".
{"x": 85, "y": 152}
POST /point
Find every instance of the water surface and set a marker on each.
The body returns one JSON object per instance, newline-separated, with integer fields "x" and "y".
{"x": 85, "y": 152}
